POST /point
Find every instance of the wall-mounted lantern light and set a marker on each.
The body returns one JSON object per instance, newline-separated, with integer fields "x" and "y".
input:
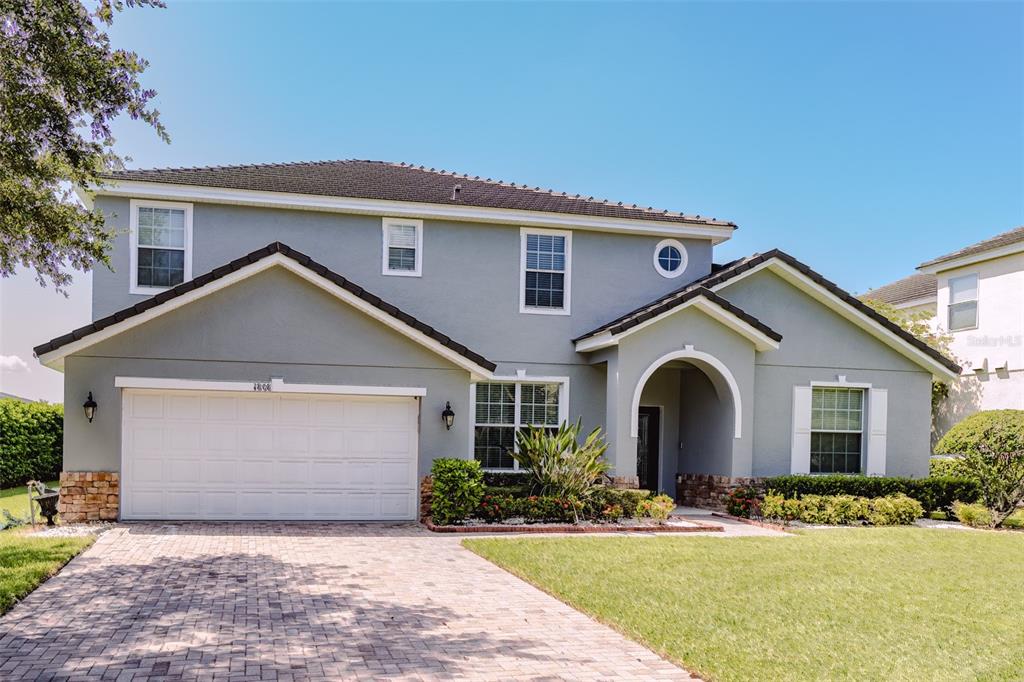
{"x": 90, "y": 407}
{"x": 448, "y": 415}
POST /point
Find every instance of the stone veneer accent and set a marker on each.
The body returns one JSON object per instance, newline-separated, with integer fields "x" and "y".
{"x": 627, "y": 482}
{"x": 89, "y": 496}
{"x": 426, "y": 494}
{"x": 706, "y": 491}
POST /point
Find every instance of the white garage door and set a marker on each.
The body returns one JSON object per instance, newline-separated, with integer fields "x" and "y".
{"x": 213, "y": 455}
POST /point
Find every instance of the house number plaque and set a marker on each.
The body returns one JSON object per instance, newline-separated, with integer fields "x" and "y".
{"x": 261, "y": 386}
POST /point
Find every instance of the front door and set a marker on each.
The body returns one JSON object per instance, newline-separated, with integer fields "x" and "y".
{"x": 649, "y": 427}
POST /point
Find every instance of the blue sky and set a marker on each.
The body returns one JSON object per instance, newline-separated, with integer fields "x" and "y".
{"x": 861, "y": 137}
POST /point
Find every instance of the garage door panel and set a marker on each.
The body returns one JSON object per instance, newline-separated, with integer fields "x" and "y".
{"x": 209, "y": 455}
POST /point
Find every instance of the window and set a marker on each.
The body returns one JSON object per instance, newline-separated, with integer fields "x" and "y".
{"x": 403, "y": 247}
{"x": 504, "y": 407}
{"x": 670, "y": 258}
{"x": 545, "y": 271}
{"x": 161, "y": 245}
{"x": 963, "y": 302}
{"x": 837, "y": 429}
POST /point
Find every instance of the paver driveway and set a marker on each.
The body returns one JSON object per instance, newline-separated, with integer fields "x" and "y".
{"x": 278, "y": 601}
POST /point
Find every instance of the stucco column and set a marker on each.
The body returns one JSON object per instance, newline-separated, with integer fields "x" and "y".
{"x": 621, "y": 446}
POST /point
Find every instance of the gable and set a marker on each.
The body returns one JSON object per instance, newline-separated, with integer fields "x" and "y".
{"x": 272, "y": 317}
{"x": 275, "y": 255}
{"x": 814, "y": 334}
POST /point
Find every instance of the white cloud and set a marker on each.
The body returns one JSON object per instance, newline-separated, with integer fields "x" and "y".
{"x": 12, "y": 363}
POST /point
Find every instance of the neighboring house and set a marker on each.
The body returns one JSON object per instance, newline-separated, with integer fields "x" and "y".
{"x": 282, "y": 341}
{"x": 977, "y": 296}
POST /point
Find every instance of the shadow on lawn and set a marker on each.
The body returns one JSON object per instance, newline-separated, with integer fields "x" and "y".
{"x": 242, "y": 610}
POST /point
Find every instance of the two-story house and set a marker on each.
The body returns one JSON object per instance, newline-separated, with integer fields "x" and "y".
{"x": 976, "y": 295}
{"x": 300, "y": 341}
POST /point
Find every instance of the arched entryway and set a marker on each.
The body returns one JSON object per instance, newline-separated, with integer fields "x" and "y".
{"x": 686, "y": 412}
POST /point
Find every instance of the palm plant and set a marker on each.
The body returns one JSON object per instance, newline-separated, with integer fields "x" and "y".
{"x": 558, "y": 464}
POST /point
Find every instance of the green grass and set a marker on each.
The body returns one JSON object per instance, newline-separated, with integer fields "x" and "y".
{"x": 26, "y": 561}
{"x": 1016, "y": 520}
{"x": 864, "y": 604}
{"x": 15, "y": 500}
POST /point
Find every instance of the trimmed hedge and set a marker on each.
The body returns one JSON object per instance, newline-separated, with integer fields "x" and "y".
{"x": 458, "y": 487}
{"x": 506, "y": 479}
{"x": 891, "y": 510}
{"x": 934, "y": 493}
{"x": 31, "y": 442}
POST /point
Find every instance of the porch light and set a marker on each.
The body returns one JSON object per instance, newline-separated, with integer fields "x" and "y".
{"x": 448, "y": 415}
{"x": 90, "y": 407}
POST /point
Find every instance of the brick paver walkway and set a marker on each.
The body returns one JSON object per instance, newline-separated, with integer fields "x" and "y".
{"x": 278, "y": 601}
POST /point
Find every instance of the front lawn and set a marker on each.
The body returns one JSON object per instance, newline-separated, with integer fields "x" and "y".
{"x": 26, "y": 561}
{"x": 865, "y": 604}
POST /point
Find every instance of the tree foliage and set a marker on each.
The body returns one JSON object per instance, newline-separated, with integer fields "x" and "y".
{"x": 61, "y": 86}
{"x": 992, "y": 447}
{"x": 919, "y": 324}
{"x": 31, "y": 441}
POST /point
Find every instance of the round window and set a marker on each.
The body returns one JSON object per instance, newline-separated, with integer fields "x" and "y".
{"x": 670, "y": 258}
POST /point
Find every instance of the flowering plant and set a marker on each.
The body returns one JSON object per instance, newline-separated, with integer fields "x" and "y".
{"x": 744, "y": 502}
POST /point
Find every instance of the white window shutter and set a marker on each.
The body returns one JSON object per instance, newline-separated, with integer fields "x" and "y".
{"x": 800, "y": 454}
{"x": 878, "y": 409}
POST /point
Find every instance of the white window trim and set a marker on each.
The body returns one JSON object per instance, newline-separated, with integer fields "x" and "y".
{"x": 671, "y": 274}
{"x": 873, "y": 426}
{"x": 518, "y": 379}
{"x": 384, "y": 269}
{"x": 976, "y": 301}
{"x": 530, "y": 310}
{"x": 134, "y": 206}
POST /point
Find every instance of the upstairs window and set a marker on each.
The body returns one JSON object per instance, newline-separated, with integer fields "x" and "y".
{"x": 544, "y": 271}
{"x": 963, "y": 302}
{"x": 403, "y": 247}
{"x": 161, "y": 245}
{"x": 670, "y": 258}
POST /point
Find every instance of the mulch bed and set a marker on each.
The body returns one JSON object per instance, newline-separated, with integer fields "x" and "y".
{"x": 697, "y": 527}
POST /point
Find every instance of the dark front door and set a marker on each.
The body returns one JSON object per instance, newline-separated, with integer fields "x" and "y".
{"x": 649, "y": 426}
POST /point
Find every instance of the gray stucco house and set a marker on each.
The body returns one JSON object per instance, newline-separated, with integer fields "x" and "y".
{"x": 280, "y": 341}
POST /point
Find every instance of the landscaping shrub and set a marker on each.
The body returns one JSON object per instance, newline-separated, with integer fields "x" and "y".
{"x": 628, "y": 499}
{"x": 506, "y": 479}
{"x": 533, "y": 509}
{"x": 743, "y": 502}
{"x": 934, "y": 494}
{"x": 992, "y": 445}
{"x": 996, "y": 430}
{"x": 507, "y": 491}
{"x": 557, "y": 464}
{"x": 658, "y": 507}
{"x": 458, "y": 486}
{"x": 946, "y": 467}
{"x": 974, "y": 515}
{"x": 31, "y": 442}
{"x": 894, "y": 510}
{"x": 612, "y": 512}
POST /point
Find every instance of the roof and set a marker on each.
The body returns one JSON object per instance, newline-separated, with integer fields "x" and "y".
{"x": 912, "y": 288}
{"x": 686, "y": 295}
{"x": 384, "y": 180}
{"x": 723, "y": 274}
{"x": 249, "y": 259}
{"x": 1014, "y": 236}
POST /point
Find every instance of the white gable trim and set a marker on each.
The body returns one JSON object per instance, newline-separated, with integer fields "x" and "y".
{"x": 55, "y": 358}
{"x": 760, "y": 340}
{"x": 990, "y": 254}
{"x": 405, "y": 209}
{"x": 845, "y": 310}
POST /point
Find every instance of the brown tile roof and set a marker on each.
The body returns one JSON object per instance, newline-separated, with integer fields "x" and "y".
{"x": 910, "y": 288}
{"x": 238, "y": 264}
{"x": 1005, "y": 239}
{"x": 403, "y": 182}
{"x": 737, "y": 267}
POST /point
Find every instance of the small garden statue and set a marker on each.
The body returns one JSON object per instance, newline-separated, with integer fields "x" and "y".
{"x": 47, "y": 499}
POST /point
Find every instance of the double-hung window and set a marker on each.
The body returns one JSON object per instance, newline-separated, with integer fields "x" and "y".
{"x": 837, "y": 430}
{"x": 161, "y": 245}
{"x": 963, "y": 302}
{"x": 403, "y": 247}
{"x": 502, "y": 408}
{"x": 545, "y": 268}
